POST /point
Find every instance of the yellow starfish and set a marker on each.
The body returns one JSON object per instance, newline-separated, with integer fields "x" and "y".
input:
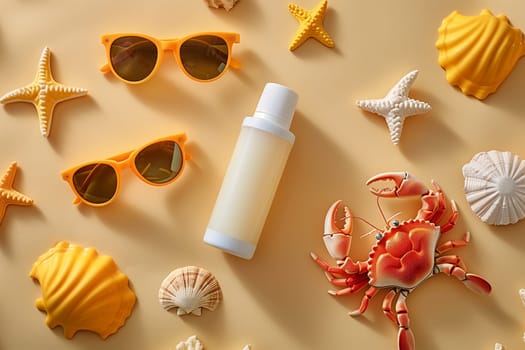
{"x": 44, "y": 92}
{"x": 310, "y": 25}
{"x": 7, "y": 194}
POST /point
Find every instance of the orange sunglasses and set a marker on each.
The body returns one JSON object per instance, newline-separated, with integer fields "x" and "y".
{"x": 157, "y": 163}
{"x": 203, "y": 57}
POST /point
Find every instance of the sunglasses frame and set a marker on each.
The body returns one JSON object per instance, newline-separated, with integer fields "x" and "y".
{"x": 127, "y": 160}
{"x": 170, "y": 45}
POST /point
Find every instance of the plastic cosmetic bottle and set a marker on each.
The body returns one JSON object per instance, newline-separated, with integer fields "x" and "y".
{"x": 253, "y": 174}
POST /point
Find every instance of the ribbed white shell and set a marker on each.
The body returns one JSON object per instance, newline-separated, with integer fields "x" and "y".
{"x": 495, "y": 187}
{"x": 189, "y": 289}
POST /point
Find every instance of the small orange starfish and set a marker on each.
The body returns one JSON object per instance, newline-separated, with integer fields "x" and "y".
{"x": 310, "y": 25}
{"x": 7, "y": 194}
{"x": 44, "y": 92}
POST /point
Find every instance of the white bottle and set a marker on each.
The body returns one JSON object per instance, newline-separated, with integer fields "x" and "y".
{"x": 253, "y": 175}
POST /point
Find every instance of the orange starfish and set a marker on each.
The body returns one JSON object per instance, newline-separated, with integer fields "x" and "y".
{"x": 44, "y": 92}
{"x": 310, "y": 25}
{"x": 7, "y": 194}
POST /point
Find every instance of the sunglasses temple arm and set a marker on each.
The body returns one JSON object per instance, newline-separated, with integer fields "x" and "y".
{"x": 105, "y": 68}
{"x": 234, "y": 63}
{"x": 76, "y": 200}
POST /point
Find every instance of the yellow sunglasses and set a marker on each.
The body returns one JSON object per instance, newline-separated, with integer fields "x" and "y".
{"x": 203, "y": 57}
{"x": 157, "y": 163}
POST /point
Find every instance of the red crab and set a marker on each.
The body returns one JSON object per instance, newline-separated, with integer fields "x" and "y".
{"x": 405, "y": 255}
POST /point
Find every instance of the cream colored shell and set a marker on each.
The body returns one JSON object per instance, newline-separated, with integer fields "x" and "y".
{"x": 82, "y": 290}
{"x": 193, "y": 343}
{"x": 495, "y": 187}
{"x": 189, "y": 289}
{"x": 478, "y": 52}
{"x": 226, "y": 4}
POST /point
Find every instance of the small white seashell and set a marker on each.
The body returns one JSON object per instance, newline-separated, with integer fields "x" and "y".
{"x": 227, "y": 4}
{"x": 498, "y": 346}
{"x": 189, "y": 289}
{"x": 495, "y": 187}
{"x": 192, "y": 343}
{"x": 522, "y": 295}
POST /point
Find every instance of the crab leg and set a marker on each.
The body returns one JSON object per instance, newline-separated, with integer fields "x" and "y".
{"x": 353, "y": 281}
{"x": 451, "y": 222}
{"x": 474, "y": 282}
{"x": 454, "y": 244}
{"x": 369, "y": 294}
{"x": 354, "y": 287}
{"x": 388, "y": 302}
{"x": 405, "y": 337}
{"x": 347, "y": 266}
{"x": 400, "y": 318}
{"x": 433, "y": 205}
{"x": 451, "y": 259}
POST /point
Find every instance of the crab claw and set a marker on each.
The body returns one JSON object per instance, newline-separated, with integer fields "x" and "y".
{"x": 337, "y": 240}
{"x": 404, "y": 185}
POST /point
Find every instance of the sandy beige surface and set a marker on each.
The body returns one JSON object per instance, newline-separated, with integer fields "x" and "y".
{"x": 279, "y": 299}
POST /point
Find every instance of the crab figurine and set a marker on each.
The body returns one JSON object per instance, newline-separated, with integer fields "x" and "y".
{"x": 405, "y": 255}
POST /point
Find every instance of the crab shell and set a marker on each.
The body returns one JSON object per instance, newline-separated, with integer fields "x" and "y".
{"x": 404, "y": 256}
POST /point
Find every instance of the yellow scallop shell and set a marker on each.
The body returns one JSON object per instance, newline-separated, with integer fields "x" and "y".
{"x": 478, "y": 52}
{"x": 82, "y": 290}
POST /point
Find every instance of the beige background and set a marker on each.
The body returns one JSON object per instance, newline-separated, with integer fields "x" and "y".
{"x": 278, "y": 300}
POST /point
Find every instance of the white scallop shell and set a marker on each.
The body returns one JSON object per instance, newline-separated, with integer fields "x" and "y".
{"x": 495, "y": 187}
{"x": 189, "y": 289}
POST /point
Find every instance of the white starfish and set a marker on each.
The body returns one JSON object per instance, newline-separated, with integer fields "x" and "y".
{"x": 396, "y": 106}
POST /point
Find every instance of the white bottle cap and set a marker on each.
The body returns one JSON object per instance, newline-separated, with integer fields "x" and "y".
{"x": 277, "y": 104}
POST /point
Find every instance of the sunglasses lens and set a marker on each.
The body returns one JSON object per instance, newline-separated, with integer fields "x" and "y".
{"x": 204, "y": 57}
{"x": 160, "y": 162}
{"x": 133, "y": 58}
{"x": 96, "y": 183}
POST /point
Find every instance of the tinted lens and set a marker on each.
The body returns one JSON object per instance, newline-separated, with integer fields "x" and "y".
{"x": 159, "y": 162}
{"x": 133, "y": 58}
{"x": 204, "y": 57}
{"x": 96, "y": 183}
